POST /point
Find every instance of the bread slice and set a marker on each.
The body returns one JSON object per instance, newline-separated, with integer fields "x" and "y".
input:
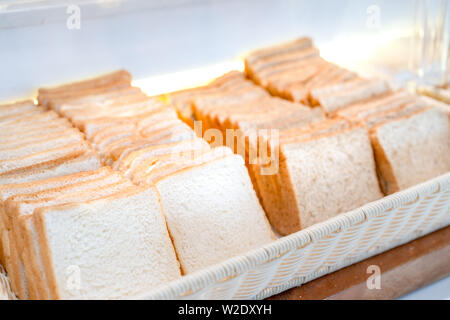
{"x": 18, "y": 107}
{"x": 34, "y": 127}
{"x": 59, "y": 167}
{"x": 17, "y": 116}
{"x": 98, "y": 99}
{"x": 333, "y": 98}
{"x": 411, "y": 149}
{"x": 18, "y": 140}
{"x": 69, "y": 150}
{"x": 9, "y": 190}
{"x": 94, "y": 238}
{"x": 386, "y": 102}
{"x": 108, "y": 82}
{"x": 19, "y": 207}
{"x": 14, "y": 151}
{"x": 33, "y": 119}
{"x": 129, "y": 160}
{"x": 213, "y": 213}
{"x": 320, "y": 178}
{"x": 165, "y": 166}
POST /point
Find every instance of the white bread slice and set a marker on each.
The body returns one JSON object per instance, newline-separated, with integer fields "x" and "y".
{"x": 69, "y": 150}
{"x": 17, "y": 206}
{"x": 169, "y": 167}
{"x": 63, "y": 166}
{"x": 411, "y": 149}
{"x": 26, "y": 208}
{"x": 104, "y": 83}
{"x": 129, "y": 160}
{"x": 389, "y": 101}
{"x": 17, "y": 116}
{"x": 100, "y": 98}
{"x": 17, "y": 107}
{"x": 333, "y": 98}
{"x": 9, "y": 190}
{"x": 213, "y": 213}
{"x": 34, "y": 127}
{"x": 33, "y": 136}
{"x": 95, "y": 237}
{"x": 321, "y": 178}
{"x": 32, "y": 118}
{"x": 90, "y": 127}
{"x": 40, "y": 146}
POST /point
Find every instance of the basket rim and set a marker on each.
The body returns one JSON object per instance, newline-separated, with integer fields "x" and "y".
{"x": 238, "y": 265}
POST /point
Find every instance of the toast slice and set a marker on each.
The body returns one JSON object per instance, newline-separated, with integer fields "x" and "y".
{"x": 411, "y": 149}
{"x": 319, "y": 178}
{"x": 212, "y": 221}
{"x": 59, "y": 167}
{"x": 9, "y": 190}
{"x": 94, "y": 239}
{"x": 21, "y": 206}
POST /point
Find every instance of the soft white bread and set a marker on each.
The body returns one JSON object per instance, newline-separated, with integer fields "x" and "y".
{"x": 119, "y": 246}
{"x": 63, "y": 166}
{"x": 133, "y": 156}
{"x": 18, "y": 107}
{"x": 18, "y": 151}
{"x": 213, "y": 213}
{"x": 411, "y": 149}
{"x": 148, "y": 173}
{"x": 12, "y": 261}
{"x": 101, "y": 84}
{"x": 20, "y": 207}
{"x": 28, "y": 160}
{"x": 333, "y": 98}
{"x": 320, "y": 178}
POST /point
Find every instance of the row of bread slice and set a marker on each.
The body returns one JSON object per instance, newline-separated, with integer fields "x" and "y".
{"x": 35, "y": 143}
{"x": 95, "y": 235}
{"x": 272, "y": 118}
{"x": 72, "y": 234}
{"x": 295, "y": 71}
{"x": 332, "y": 166}
{"x": 215, "y": 193}
{"x": 317, "y": 159}
{"x": 123, "y": 121}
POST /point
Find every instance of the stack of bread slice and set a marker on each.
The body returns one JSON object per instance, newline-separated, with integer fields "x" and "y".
{"x": 232, "y": 83}
{"x": 142, "y": 138}
{"x": 72, "y": 235}
{"x": 410, "y": 138}
{"x": 295, "y": 71}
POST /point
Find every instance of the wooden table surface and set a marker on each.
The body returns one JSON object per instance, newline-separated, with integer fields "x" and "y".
{"x": 402, "y": 270}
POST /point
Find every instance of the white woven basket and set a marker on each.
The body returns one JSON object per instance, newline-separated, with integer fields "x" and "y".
{"x": 317, "y": 250}
{"x": 322, "y": 248}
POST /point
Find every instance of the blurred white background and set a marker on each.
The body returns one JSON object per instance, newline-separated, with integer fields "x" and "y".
{"x": 157, "y": 37}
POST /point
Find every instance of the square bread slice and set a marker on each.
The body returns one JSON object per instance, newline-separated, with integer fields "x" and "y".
{"x": 15, "y": 152}
{"x": 28, "y": 160}
{"x": 18, "y": 107}
{"x": 59, "y": 167}
{"x": 213, "y": 213}
{"x": 333, "y": 98}
{"x": 173, "y": 164}
{"x": 20, "y": 208}
{"x": 89, "y": 251}
{"x": 319, "y": 178}
{"x": 411, "y": 149}
{"x": 10, "y": 190}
